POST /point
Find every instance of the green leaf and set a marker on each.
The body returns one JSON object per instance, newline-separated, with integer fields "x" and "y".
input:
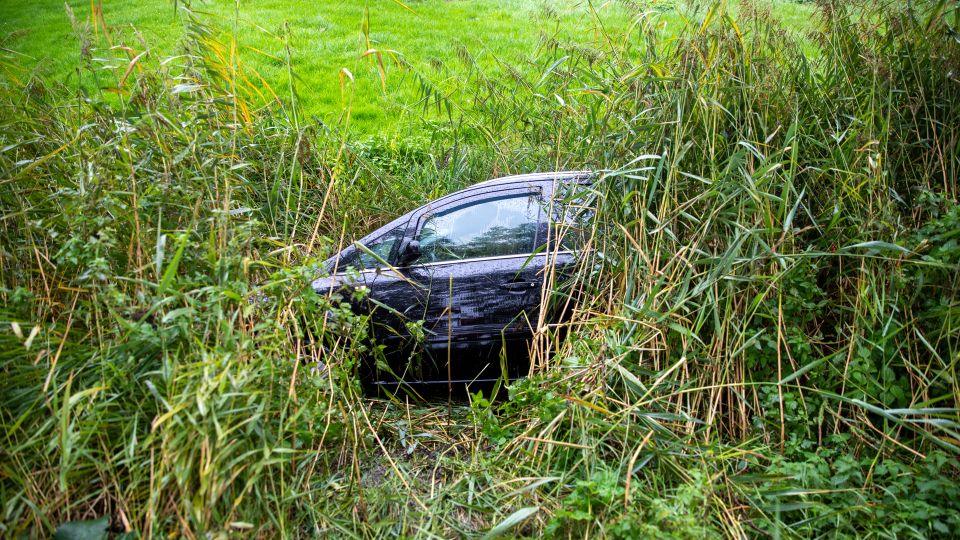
{"x": 632, "y": 381}
{"x": 550, "y": 70}
{"x": 534, "y": 485}
{"x": 878, "y": 246}
{"x": 803, "y": 370}
{"x": 684, "y": 331}
{"x": 91, "y": 529}
{"x": 176, "y": 313}
{"x": 171, "y": 270}
{"x": 511, "y": 521}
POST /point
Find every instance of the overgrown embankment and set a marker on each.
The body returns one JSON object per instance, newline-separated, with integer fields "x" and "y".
{"x": 768, "y": 345}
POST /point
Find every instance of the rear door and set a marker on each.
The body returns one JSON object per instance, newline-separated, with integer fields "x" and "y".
{"x": 565, "y": 236}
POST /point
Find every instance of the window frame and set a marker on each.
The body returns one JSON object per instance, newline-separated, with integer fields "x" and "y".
{"x": 501, "y": 192}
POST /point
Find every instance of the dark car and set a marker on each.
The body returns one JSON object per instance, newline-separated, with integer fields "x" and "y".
{"x": 455, "y": 287}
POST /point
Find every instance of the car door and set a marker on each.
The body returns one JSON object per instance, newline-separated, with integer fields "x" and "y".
{"x": 388, "y": 302}
{"x": 483, "y": 278}
{"x": 393, "y": 302}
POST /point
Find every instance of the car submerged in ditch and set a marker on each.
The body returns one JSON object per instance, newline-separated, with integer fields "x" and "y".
{"x": 457, "y": 288}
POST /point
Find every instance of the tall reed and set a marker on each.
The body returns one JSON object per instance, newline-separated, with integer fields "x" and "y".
{"x": 765, "y": 340}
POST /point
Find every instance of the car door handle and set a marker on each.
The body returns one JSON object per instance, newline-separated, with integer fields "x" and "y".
{"x": 519, "y": 285}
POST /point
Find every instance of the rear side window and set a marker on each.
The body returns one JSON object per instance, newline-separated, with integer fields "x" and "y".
{"x": 571, "y": 211}
{"x": 494, "y": 227}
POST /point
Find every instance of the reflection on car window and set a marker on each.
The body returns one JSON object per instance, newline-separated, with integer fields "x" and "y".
{"x": 381, "y": 245}
{"x": 502, "y": 226}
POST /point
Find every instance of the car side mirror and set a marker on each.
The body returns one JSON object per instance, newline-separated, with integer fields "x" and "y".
{"x": 409, "y": 251}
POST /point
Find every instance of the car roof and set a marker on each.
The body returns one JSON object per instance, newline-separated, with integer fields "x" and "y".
{"x": 579, "y": 176}
{"x": 534, "y": 177}
{"x": 508, "y": 181}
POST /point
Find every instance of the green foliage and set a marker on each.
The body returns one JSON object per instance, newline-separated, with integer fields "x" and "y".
{"x": 766, "y": 329}
{"x": 678, "y": 514}
{"x": 838, "y": 493}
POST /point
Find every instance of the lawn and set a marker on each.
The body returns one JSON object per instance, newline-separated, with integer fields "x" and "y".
{"x": 328, "y": 41}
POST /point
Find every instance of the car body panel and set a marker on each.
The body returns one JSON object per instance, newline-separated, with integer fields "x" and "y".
{"x": 476, "y": 311}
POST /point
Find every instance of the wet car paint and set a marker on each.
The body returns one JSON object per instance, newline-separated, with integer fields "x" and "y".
{"x": 478, "y": 315}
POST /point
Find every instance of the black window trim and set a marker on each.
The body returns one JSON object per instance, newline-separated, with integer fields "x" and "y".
{"x": 415, "y": 225}
{"x": 412, "y": 221}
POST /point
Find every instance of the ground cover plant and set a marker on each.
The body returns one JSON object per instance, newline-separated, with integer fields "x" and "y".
{"x": 363, "y": 45}
{"x": 768, "y": 345}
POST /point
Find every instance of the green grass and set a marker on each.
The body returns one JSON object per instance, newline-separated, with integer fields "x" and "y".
{"x": 766, "y": 343}
{"x": 326, "y": 37}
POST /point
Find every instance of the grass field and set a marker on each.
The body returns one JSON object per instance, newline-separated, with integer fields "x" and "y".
{"x": 424, "y": 38}
{"x": 767, "y": 341}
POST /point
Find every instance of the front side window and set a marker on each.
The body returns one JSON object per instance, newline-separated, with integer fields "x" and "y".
{"x": 382, "y": 245}
{"x": 494, "y": 227}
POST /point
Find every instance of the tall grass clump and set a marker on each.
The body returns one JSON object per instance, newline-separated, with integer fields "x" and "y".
{"x": 773, "y": 308}
{"x": 766, "y": 330}
{"x": 155, "y": 244}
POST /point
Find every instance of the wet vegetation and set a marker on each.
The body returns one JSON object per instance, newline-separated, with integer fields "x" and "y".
{"x": 767, "y": 343}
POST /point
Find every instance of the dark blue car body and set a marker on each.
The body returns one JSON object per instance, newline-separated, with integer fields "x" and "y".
{"x": 455, "y": 287}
